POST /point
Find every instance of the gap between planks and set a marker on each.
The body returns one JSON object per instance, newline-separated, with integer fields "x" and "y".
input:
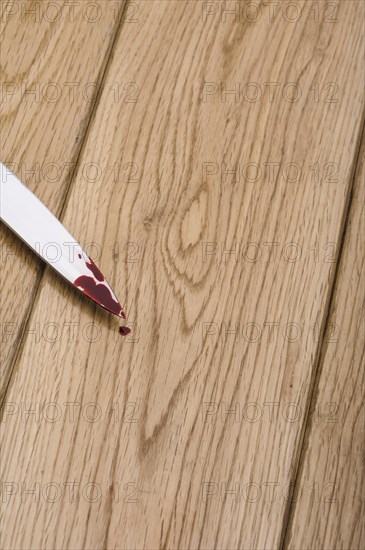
{"x": 322, "y": 346}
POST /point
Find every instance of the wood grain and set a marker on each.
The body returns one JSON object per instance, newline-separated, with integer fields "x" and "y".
{"x": 334, "y": 446}
{"x": 169, "y": 463}
{"x": 52, "y": 61}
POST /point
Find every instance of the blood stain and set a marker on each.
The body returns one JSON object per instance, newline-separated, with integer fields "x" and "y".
{"x": 100, "y": 294}
{"x": 95, "y": 270}
{"x": 123, "y": 331}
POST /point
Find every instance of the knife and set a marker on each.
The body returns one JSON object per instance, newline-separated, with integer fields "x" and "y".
{"x": 31, "y": 220}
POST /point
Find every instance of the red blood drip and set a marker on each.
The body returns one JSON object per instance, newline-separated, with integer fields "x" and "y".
{"x": 123, "y": 331}
{"x": 79, "y": 255}
{"x": 100, "y": 294}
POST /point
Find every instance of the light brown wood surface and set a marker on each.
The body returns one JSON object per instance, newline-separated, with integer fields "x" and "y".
{"x": 334, "y": 443}
{"x": 52, "y": 62}
{"x": 165, "y": 437}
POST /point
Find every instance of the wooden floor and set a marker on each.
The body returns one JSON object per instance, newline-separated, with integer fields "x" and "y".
{"x": 210, "y": 156}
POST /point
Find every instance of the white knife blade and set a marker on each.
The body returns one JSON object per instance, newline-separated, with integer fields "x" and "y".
{"x": 31, "y": 220}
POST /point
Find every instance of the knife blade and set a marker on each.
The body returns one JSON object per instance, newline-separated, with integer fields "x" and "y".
{"x": 31, "y": 220}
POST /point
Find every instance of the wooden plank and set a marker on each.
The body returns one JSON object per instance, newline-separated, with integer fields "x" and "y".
{"x": 53, "y": 55}
{"x": 330, "y": 515}
{"x": 173, "y": 450}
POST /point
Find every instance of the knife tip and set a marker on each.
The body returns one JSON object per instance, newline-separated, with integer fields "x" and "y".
{"x": 101, "y": 294}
